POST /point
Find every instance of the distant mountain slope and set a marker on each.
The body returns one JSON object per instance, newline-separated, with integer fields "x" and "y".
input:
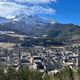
{"x": 64, "y": 31}
{"x": 3, "y": 20}
{"x": 3, "y": 27}
{"x": 31, "y": 25}
{"x": 36, "y": 27}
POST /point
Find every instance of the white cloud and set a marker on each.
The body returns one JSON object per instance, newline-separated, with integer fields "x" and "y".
{"x": 35, "y": 1}
{"x": 8, "y": 9}
{"x": 11, "y": 8}
{"x": 30, "y": 1}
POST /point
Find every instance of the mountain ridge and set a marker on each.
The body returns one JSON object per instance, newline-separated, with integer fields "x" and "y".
{"x": 36, "y": 27}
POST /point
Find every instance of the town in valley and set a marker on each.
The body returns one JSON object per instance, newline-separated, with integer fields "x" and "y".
{"x": 50, "y": 58}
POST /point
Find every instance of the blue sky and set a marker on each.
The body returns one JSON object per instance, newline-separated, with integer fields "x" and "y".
{"x": 67, "y": 11}
{"x": 63, "y": 11}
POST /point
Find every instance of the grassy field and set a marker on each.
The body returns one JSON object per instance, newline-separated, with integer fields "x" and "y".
{"x": 6, "y": 45}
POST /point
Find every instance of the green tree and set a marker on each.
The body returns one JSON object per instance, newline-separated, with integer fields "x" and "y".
{"x": 78, "y": 72}
{"x": 2, "y": 74}
{"x": 11, "y": 74}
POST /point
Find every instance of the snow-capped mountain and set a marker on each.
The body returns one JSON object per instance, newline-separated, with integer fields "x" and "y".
{"x": 30, "y": 19}
{"x": 37, "y": 27}
{"x": 30, "y": 25}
